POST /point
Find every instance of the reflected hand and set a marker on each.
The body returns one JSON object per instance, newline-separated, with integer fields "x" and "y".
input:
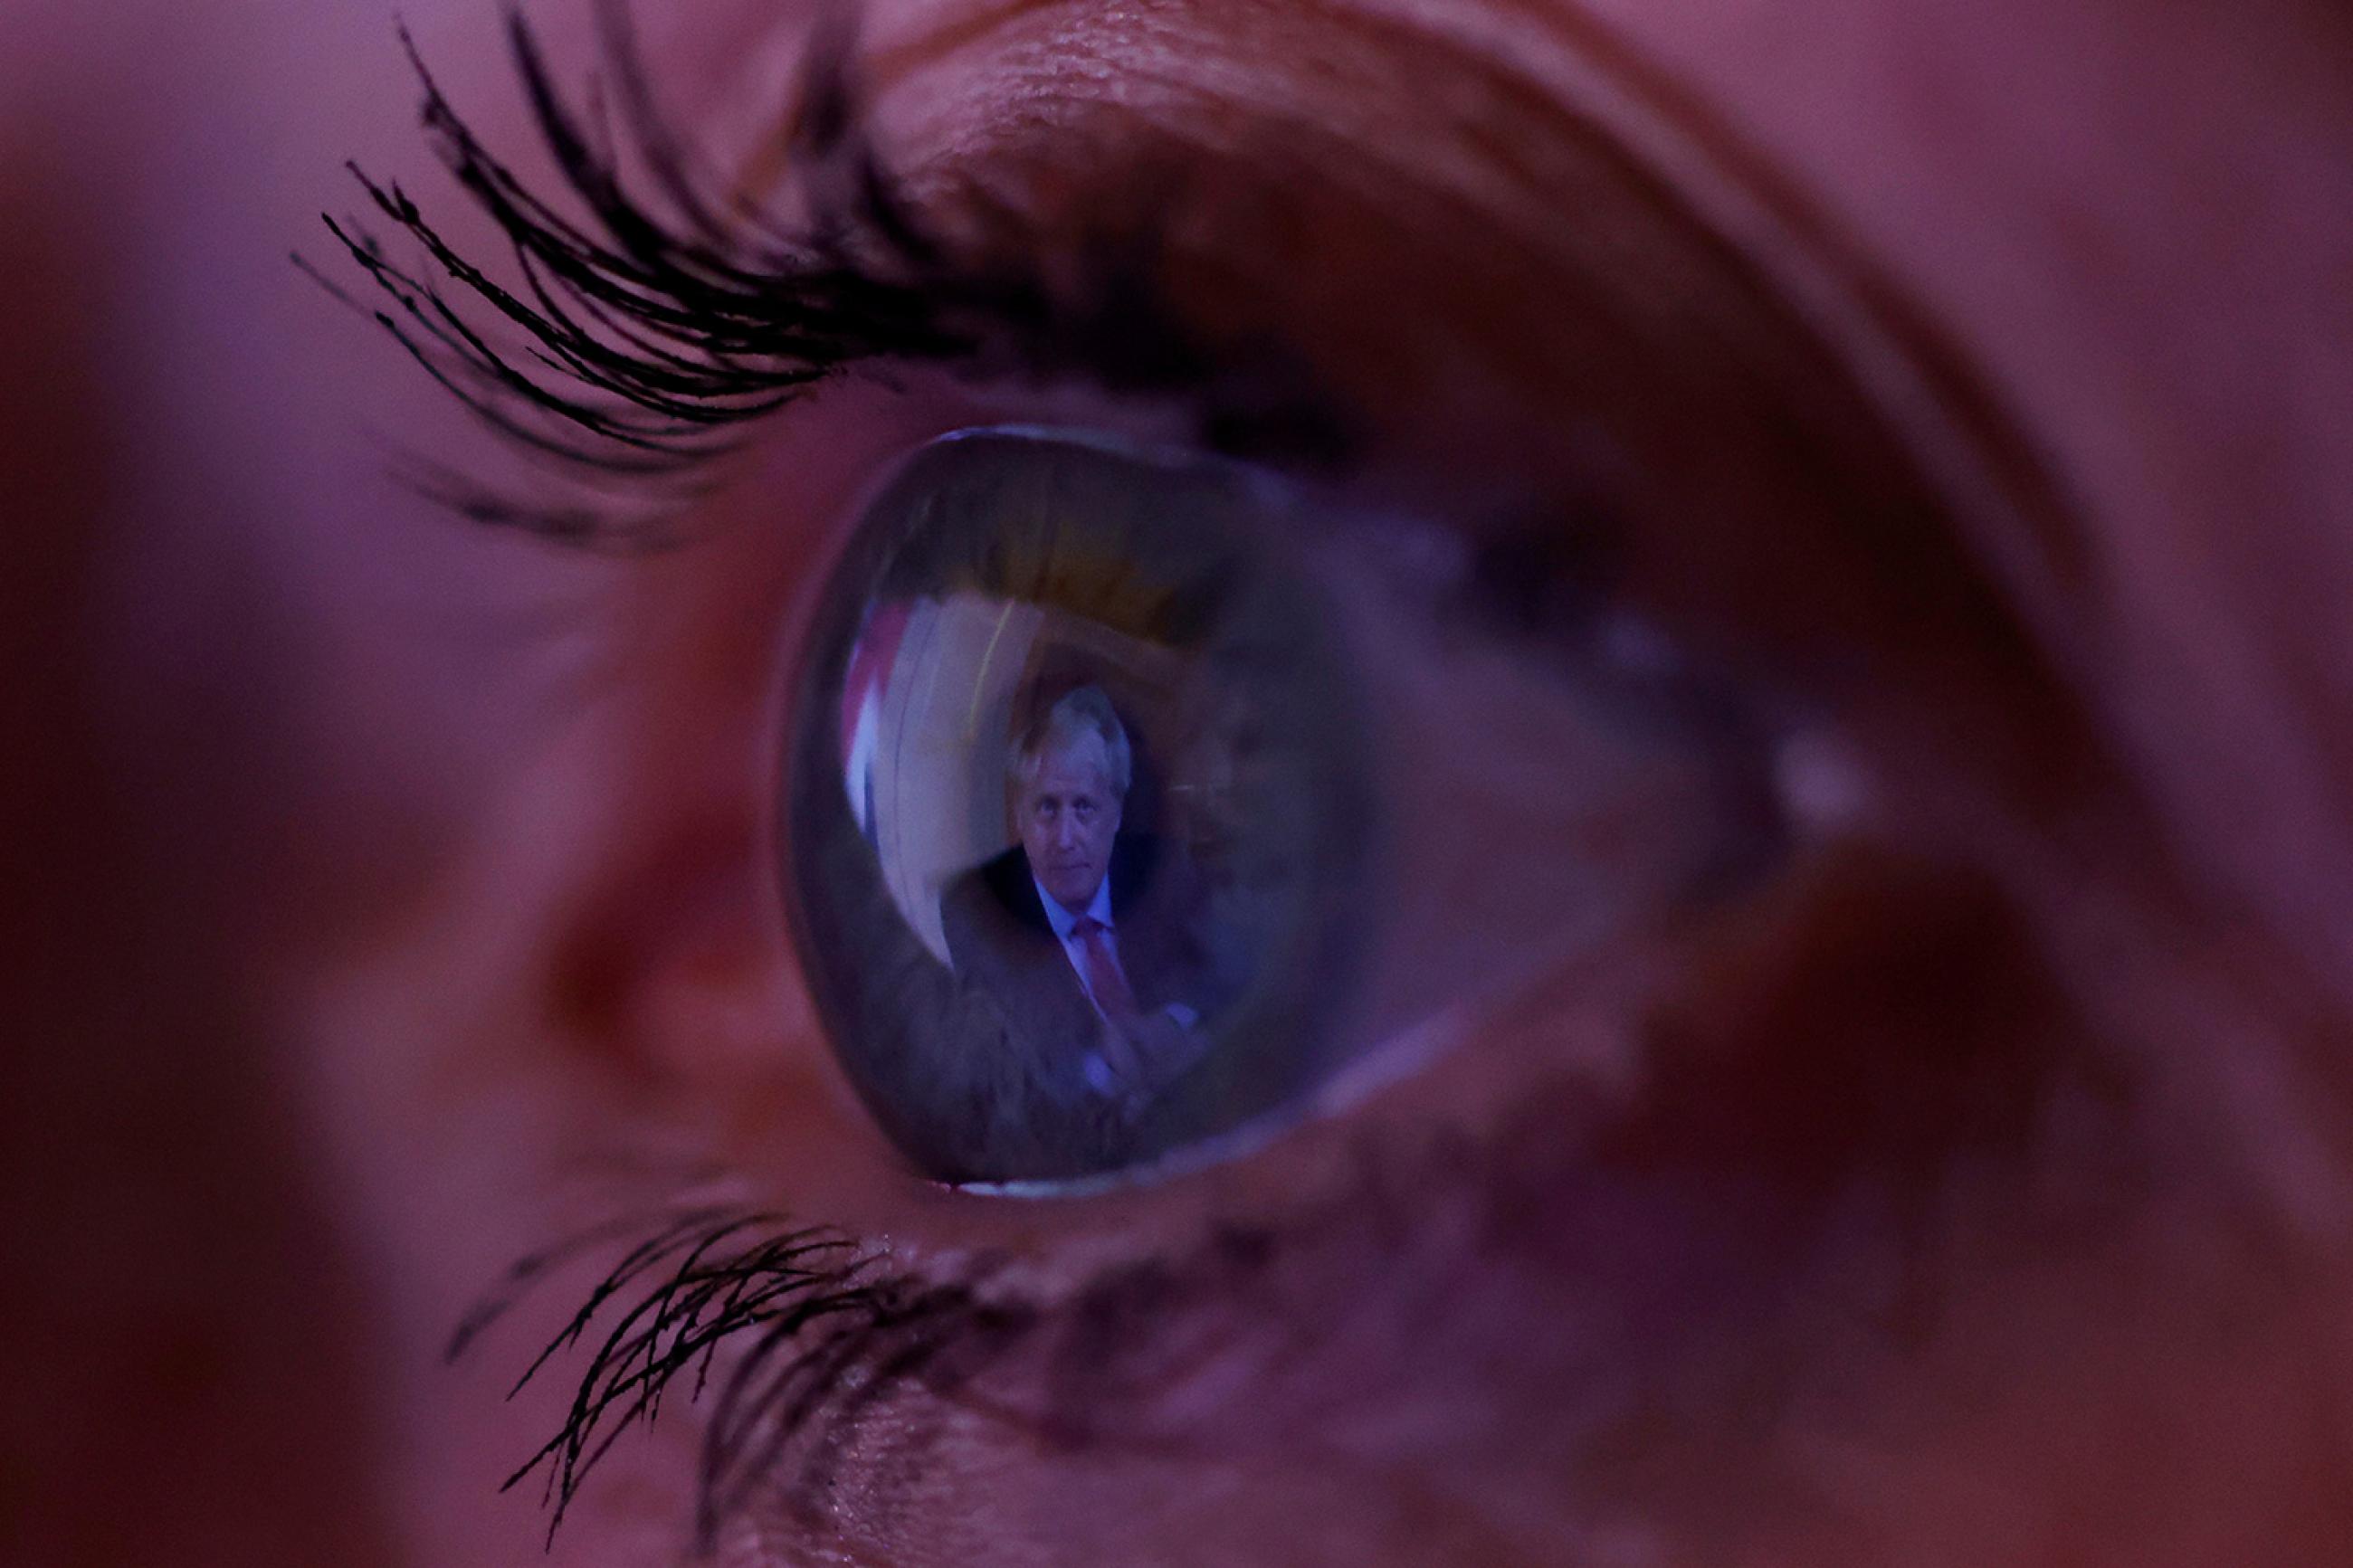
{"x": 1165, "y": 1046}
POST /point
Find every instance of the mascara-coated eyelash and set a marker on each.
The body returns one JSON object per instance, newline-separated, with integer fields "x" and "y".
{"x": 820, "y": 1335}
{"x": 649, "y": 336}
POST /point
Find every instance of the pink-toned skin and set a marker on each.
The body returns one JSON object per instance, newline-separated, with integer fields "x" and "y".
{"x": 380, "y": 888}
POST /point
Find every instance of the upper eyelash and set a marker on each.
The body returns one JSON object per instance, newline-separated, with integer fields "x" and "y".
{"x": 647, "y": 342}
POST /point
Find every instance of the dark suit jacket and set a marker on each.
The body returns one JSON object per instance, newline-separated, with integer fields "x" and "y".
{"x": 1000, "y": 941}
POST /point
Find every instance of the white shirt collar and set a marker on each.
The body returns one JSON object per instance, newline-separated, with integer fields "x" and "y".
{"x": 1061, "y": 920}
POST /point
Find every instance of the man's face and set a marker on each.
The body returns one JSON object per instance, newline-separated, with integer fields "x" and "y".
{"x": 1070, "y": 814}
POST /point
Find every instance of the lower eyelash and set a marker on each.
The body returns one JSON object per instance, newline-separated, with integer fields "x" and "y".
{"x": 1648, "y": 1246}
{"x": 822, "y": 1333}
{"x": 702, "y": 1276}
{"x": 818, "y": 1333}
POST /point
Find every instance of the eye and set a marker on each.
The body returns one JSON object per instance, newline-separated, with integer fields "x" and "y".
{"x": 1460, "y": 783}
{"x": 1368, "y": 772}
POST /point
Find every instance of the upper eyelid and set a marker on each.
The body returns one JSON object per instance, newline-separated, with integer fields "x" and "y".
{"x": 1287, "y": 401}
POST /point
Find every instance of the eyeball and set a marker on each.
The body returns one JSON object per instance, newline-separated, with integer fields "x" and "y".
{"x": 1128, "y": 803}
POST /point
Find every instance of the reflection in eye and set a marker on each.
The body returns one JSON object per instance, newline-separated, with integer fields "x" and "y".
{"x": 1135, "y": 803}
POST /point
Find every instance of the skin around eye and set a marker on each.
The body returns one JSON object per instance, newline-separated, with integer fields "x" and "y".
{"x": 379, "y": 880}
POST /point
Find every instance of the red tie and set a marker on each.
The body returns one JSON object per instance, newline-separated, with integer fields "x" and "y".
{"x": 1103, "y": 978}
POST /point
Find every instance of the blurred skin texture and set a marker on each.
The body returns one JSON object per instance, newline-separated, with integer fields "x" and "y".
{"x": 385, "y": 898}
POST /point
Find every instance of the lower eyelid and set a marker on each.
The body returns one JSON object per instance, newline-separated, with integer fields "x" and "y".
{"x": 1592, "y": 1211}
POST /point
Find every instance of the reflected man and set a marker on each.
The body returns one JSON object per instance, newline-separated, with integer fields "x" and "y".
{"x": 1083, "y": 932}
